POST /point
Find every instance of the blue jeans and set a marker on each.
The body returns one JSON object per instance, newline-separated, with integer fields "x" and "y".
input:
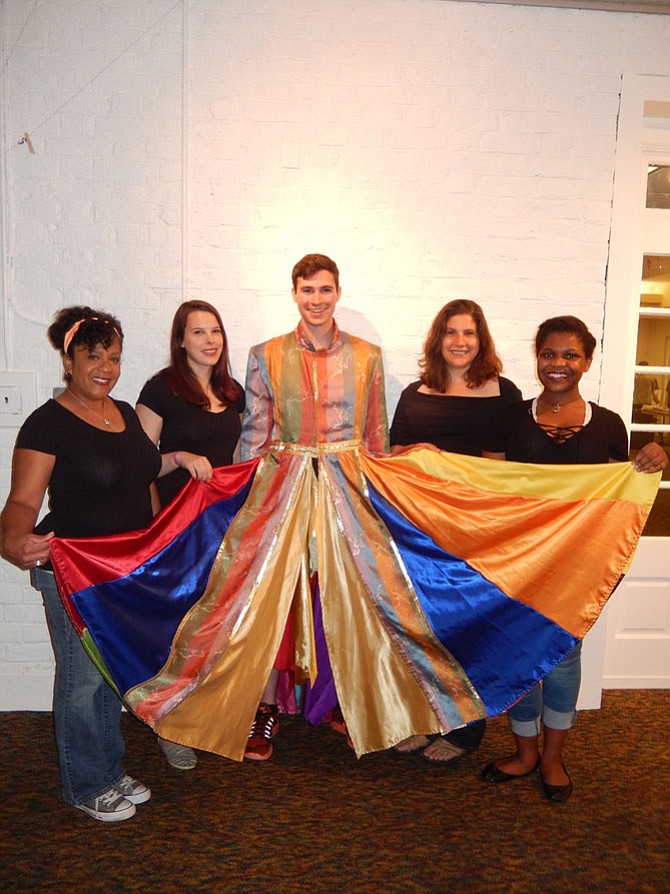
{"x": 468, "y": 737}
{"x": 87, "y": 711}
{"x": 553, "y": 701}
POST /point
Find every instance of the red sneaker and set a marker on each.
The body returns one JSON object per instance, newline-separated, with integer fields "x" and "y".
{"x": 263, "y": 729}
{"x": 335, "y": 720}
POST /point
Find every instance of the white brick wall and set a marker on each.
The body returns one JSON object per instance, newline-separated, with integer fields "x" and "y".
{"x": 434, "y": 149}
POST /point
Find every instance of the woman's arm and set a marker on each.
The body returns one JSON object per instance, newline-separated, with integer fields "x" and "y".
{"x": 152, "y": 424}
{"x": 31, "y": 473}
{"x": 197, "y": 466}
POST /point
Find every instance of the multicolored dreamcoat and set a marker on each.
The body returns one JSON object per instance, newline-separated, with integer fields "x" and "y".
{"x": 448, "y": 586}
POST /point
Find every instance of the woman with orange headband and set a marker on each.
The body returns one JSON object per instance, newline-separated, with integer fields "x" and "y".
{"x": 91, "y": 455}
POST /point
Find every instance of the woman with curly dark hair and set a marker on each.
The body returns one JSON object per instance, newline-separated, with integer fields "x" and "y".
{"x": 557, "y": 427}
{"x": 90, "y": 453}
{"x": 452, "y": 407}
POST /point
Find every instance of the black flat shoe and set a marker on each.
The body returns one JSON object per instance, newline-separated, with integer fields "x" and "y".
{"x": 558, "y": 793}
{"x": 491, "y": 773}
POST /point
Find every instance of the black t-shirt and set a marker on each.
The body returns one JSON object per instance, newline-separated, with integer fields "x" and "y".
{"x": 190, "y": 428}
{"x": 100, "y": 482}
{"x": 521, "y": 439}
{"x": 455, "y": 423}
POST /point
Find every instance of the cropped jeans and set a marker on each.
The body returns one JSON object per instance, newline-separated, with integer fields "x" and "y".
{"x": 553, "y": 701}
{"x": 86, "y": 710}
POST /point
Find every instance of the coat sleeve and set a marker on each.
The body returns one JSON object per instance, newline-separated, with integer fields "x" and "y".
{"x": 258, "y": 422}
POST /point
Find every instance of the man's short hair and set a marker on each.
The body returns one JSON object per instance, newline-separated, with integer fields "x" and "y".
{"x": 310, "y": 265}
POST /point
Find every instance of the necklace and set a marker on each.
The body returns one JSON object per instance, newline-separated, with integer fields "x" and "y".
{"x": 102, "y": 415}
{"x": 555, "y": 408}
{"x": 588, "y": 413}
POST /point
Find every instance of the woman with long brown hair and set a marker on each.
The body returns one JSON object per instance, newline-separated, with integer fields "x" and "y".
{"x": 191, "y": 411}
{"x": 452, "y": 407}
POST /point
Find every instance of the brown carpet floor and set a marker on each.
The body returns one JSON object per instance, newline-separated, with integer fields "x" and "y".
{"x": 316, "y": 820}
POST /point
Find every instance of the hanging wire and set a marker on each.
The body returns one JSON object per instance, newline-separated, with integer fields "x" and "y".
{"x": 23, "y": 28}
{"x": 8, "y": 305}
{"x": 98, "y": 73}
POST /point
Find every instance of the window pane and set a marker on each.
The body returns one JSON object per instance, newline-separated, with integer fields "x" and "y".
{"x": 651, "y": 393}
{"x": 658, "y": 523}
{"x": 653, "y": 342}
{"x": 650, "y": 399}
{"x": 658, "y": 186}
{"x": 655, "y": 286}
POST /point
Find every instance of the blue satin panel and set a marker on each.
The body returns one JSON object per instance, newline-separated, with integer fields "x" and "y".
{"x": 133, "y": 619}
{"x": 503, "y": 646}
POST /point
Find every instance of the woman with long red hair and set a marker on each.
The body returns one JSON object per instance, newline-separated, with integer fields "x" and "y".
{"x": 191, "y": 411}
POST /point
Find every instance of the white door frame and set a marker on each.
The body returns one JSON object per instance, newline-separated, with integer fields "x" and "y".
{"x": 637, "y": 616}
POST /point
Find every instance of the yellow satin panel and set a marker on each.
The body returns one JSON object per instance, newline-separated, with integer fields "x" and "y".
{"x": 524, "y": 544}
{"x": 241, "y": 617}
{"x": 612, "y": 481}
{"x": 379, "y": 693}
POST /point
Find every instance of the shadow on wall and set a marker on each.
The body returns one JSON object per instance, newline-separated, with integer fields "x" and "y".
{"x": 356, "y": 323}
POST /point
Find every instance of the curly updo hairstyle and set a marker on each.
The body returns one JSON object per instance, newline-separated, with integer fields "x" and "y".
{"x": 82, "y": 325}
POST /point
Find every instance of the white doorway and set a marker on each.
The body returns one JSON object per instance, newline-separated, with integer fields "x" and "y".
{"x": 636, "y": 371}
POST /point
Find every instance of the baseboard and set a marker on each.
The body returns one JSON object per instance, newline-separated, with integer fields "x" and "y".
{"x": 26, "y": 693}
{"x": 636, "y": 683}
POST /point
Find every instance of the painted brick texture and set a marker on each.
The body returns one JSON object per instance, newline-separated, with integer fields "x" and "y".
{"x": 198, "y": 149}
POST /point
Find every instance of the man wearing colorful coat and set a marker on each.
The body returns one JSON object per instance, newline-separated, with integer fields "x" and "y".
{"x": 312, "y": 390}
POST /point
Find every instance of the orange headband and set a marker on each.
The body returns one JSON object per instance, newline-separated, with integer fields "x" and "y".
{"x": 72, "y": 331}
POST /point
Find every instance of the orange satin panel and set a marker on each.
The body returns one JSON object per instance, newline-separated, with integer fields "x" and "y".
{"x": 525, "y": 544}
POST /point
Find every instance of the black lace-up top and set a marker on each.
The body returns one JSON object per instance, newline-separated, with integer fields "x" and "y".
{"x": 521, "y": 438}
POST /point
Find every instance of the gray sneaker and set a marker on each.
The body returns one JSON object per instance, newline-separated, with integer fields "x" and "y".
{"x": 133, "y": 790}
{"x": 109, "y": 807}
{"x": 181, "y": 757}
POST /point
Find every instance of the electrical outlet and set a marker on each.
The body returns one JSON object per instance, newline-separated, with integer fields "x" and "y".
{"x": 10, "y": 399}
{"x": 17, "y": 397}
